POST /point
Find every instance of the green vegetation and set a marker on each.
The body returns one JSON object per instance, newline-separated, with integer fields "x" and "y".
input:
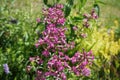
{"x": 19, "y": 32}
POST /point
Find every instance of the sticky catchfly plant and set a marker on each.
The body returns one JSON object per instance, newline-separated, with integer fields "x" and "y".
{"x": 53, "y": 59}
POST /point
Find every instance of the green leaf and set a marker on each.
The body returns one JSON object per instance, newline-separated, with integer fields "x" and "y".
{"x": 101, "y": 72}
{"x": 67, "y": 10}
{"x": 77, "y": 19}
{"x": 2, "y": 33}
{"x": 26, "y": 36}
{"x": 97, "y": 9}
{"x": 58, "y": 1}
{"x": 45, "y": 2}
{"x": 72, "y": 31}
{"x": 92, "y": 46}
{"x": 101, "y": 2}
{"x": 82, "y": 3}
{"x": 70, "y": 2}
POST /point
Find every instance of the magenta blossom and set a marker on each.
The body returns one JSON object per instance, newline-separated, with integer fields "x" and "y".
{"x": 46, "y": 53}
{"x": 86, "y": 72}
{"x": 38, "y": 20}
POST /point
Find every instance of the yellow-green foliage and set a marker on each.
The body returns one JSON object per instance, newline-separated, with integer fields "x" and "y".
{"x": 105, "y": 43}
{"x": 101, "y": 41}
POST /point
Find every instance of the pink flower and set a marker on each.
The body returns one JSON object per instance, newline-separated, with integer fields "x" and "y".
{"x": 61, "y": 53}
{"x": 77, "y": 55}
{"x": 87, "y": 15}
{"x": 84, "y": 63}
{"x": 94, "y": 16}
{"x": 59, "y": 6}
{"x": 66, "y": 58}
{"x": 84, "y": 35}
{"x": 45, "y": 53}
{"x": 73, "y": 60}
{"x": 28, "y": 68}
{"x": 75, "y": 27}
{"x": 40, "y": 41}
{"x": 38, "y": 20}
{"x": 61, "y": 68}
{"x": 37, "y": 45}
{"x": 86, "y": 72}
{"x": 76, "y": 71}
{"x": 31, "y": 59}
{"x": 63, "y": 76}
{"x": 85, "y": 20}
{"x": 86, "y": 24}
{"x": 61, "y": 21}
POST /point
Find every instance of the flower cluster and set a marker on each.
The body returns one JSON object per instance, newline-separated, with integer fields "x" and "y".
{"x": 54, "y": 15}
{"x": 56, "y": 66}
{"x": 53, "y": 38}
{"x": 82, "y": 59}
{"x": 58, "y": 63}
{"x": 53, "y": 61}
{"x": 6, "y": 68}
{"x": 36, "y": 59}
{"x": 88, "y": 17}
